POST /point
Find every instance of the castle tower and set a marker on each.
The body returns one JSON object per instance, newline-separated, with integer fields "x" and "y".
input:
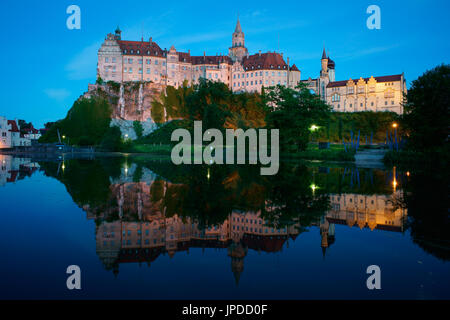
{"x": 324, "y": 76}
{"x": 238, "y": 50}
{"x": 324, "y": 61}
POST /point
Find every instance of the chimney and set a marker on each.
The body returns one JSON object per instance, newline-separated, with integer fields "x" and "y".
{"x": 204, "y": 54}
{"x": 260, "y": 53}
{"x": 189, "y": 52}
{"x": 151, "y": 40}
{"x": 282, "y": 54}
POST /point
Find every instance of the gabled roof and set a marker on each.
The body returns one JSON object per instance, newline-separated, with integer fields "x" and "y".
{"x": 269, "y": 60}
{"x": 343, "y": 83}
{"x": 143, "y": 47}
{"x": 14, "y": 127}
{"x": 294, "y": 68}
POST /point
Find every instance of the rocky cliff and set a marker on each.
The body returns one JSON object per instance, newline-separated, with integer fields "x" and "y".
{"x": 130, "y": 101}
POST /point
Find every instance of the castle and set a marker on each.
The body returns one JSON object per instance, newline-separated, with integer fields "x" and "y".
{"x": 383, "y": 93}
{"x": 123, "y": 61}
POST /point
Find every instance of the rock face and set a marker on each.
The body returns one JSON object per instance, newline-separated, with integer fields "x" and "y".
{"x": 131, "y": 101}
{"x": 127, "y": 127}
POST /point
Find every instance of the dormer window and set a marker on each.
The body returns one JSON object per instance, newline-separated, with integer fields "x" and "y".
{"x": 148, "y": 52}
{"x": 132, "y": 51}
{"x": 125, "y": 51}
{"x": 138, "y": 52}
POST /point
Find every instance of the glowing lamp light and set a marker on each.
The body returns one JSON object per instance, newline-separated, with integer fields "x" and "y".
{"x": 314, "y": 127}
{"x": 313, "y": 187}
{"x": 394, "y": 125}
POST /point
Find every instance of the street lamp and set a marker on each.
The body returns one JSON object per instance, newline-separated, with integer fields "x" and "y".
{"x": 395, "y": 125}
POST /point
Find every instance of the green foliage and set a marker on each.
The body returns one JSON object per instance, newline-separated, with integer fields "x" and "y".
{"x": 85, "y": 124}
{"x": 112, "y": 140}
{"x": 293, "y": 112}
{"x": 99, "y": 80}
{"x": 138, "y": 129}
{"x": 340, "y": 124}
{"x": 426, "y": 115}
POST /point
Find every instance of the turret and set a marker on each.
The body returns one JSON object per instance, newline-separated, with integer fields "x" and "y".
{"x": 118, "y": 33}
{"x": 324, "y": 61}
{"x": 238, "y": 50}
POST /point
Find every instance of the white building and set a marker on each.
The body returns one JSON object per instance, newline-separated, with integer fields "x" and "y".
{"x": 122, "y": 60}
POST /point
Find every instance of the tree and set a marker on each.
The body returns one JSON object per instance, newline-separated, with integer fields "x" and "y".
{"x": 293, "y": 112}
{"x": 426, "y": 115}
{"x": 209, "y": 102}
{"x": 138, "y": 129}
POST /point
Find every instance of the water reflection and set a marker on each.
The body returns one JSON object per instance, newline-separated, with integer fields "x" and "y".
{"x": 146, "y": 208}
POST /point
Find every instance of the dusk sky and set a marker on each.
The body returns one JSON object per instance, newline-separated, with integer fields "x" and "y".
{"x": 47, "y": 66}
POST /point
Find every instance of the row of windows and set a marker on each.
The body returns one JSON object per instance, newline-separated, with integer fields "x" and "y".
{"x": 371, "y": 104}
{"x": 260, "y": 230}
{"x": 246, "y": 83}
{"x": 255, "y": 74}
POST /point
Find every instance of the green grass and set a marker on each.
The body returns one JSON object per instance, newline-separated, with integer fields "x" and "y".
{"x": 336, "y": 152}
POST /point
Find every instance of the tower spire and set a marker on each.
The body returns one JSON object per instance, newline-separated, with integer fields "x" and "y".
{"x": 238, "y": 28}
{"x": 324, "y": 55}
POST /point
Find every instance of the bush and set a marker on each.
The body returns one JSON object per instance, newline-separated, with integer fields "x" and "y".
{"x": 112, "y": 141}
{"x": 138, "y": 129}
{"x": 86, "y": 123}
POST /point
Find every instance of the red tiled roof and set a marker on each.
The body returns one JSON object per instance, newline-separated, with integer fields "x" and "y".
{"x": 210, "y": 59}
{"x": 294, "y": 68}
{"x": 343, "y": 83}
{"x": 269, "y": 60}
{"x": 264, "y": 243}
{"x": 139, "y": 48}
{"x": 14, "y": 127}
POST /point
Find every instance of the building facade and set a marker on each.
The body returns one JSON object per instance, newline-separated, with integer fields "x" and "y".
{"x": 122, "y": 61}
{"x": 10, "y": 135}
{"x": 382, "y": 93}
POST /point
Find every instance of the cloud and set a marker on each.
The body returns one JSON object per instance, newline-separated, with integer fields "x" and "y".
{"x": 365, "y": 52}
{"x": 84, "y": 64}
{"x": 57, "y": 94}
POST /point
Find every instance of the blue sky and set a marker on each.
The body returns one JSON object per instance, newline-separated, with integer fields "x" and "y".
{"x": 46, "y": 66}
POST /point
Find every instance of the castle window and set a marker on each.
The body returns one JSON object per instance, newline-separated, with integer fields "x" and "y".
{"x": 132, "y": 51}
{"x": 106, "y": 59}
{"x": 124, "y": 51}
{"x": 138, "y": 52}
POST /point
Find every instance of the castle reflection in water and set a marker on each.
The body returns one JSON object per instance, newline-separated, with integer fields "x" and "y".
{"x": 153, "y": 233}
{"x": 134, "y": 226}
